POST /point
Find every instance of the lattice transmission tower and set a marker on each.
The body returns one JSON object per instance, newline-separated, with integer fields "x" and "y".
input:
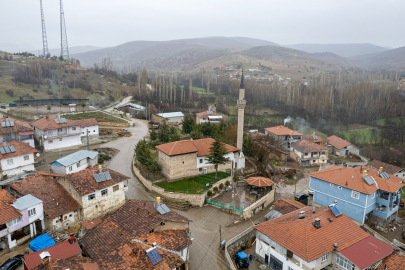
{"x": 44, "y": 39}
{"x": 64, "y": 48}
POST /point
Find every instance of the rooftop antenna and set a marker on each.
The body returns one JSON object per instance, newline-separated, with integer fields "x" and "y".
{"x": 64, "y": 48}
{"x": 44, "y": 39}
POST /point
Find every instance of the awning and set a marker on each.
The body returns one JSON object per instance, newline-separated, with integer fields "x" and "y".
{"x": 26, "y": 132}
{"x": 215, "y": 117}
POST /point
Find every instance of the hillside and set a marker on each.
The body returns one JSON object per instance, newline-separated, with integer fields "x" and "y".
{"x": 254, "y": 42}
{"x": 344, "y": 50}
{"x": 391, "y": 59}
{"x": 334, "y": 59}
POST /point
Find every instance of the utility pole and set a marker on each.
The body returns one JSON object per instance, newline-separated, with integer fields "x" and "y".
{"x": 233, "y": 191}
{"x": 220, "y": 236}
{"x": 88, "y": 143}
{"x": 188, "y": 246}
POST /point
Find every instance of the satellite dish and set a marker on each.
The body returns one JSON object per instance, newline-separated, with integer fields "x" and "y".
{"x": 45, "y": 136}
{"x": 38, "y": 154}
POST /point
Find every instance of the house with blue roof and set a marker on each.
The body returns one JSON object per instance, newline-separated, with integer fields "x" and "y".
{"x": 360, "y": 192}
{"x": 75, "y": 162}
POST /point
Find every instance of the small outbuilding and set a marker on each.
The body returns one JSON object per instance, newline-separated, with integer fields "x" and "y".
{"x": 75, "y": 162}
{"x": 172, "y": 118}
{"x": 259, "y": 184}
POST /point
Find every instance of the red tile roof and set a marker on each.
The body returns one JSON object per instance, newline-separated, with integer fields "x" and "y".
{"x": 307, "y": 242}
{"x": 366, "y": 252}
{"x": 282, "y": 130}
{"x": 91, "y": 224}
{"x": 19, "y": 126}
{"x": 393, "y": 262}
{"x": 259, "y": 181}
{"x": 74, "y": 263}
{"x": 48, "y": 123}
{"x": 287, "y": 206}
{"x": 352, "y": 178}
{"x": 204, "y": 114}
{"x": 87, "y": 122}
{"x": 305, "y": 146}
{"x": 201, "y": 146}
{"x": 85, "y": 183}
{"x": 62, "y": 250}
{"x": 7, "y": 212}
{"x": 310, "y": 137}
{"x": 337, "y": 142}
{"x": 56, "y": 200}
{"x": 391, "y": 169}
{"x": 171, "y": 239}
{"x": 21, "y": 148}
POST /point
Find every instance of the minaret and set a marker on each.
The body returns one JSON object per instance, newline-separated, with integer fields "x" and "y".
{"x": 241, "y": 102}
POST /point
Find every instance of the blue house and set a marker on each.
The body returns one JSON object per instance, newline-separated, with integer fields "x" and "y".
{"x": 359, "y": 192}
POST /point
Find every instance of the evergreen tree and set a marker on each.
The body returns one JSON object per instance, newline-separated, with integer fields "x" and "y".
{"x": 187, "y": 124}
{"x": 217, "y": 154}
{"x": 196, "y": 132}
{"x": 153, "y": 135}
{"x": 164, "y": 133}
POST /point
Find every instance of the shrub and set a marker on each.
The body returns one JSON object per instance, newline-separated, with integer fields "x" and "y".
{"x": 35, "y": 90}
{"x": 10, "y": 93}
{"x": 221, "y": 186}
{"x": 103, "y": 157}
{"x": 216, "y": 189}
{"x": 227, "y": 183}
{"x": 235, "y": 178}
{"x": 209, "y": 193}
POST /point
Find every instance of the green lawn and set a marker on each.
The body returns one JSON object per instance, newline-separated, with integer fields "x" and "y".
{"x": 308, "y": 130}
{"x": 381, "y": 122}
{"x": 203, "y": 91}
{"x": 100, "y": 117}
{"x": 192, "y": 185}
{"x": 363, "y": 137}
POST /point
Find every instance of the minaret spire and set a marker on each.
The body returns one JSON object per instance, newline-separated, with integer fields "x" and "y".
{"x": 241, "y": 103}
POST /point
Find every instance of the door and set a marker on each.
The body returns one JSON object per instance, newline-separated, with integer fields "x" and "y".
{"x": 205, "y": 170}
{"x": 266, "y": 259}
{"x": 347, "y": 152}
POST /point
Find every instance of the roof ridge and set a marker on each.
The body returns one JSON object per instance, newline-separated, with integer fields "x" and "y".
{"x": 306, "y": 240}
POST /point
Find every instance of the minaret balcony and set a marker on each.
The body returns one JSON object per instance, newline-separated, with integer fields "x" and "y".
{"x": 241, "y": 104}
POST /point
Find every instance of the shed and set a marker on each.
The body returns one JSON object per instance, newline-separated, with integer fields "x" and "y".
{"x": 168, "y": 118}
{"x": 75, "y": 162}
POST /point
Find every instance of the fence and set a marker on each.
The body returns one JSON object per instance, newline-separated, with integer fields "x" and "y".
{"x": 148, "y": 175}
{"x": 222, "y": 205}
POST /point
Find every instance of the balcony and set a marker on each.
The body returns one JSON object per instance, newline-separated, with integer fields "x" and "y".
{"x": 63, "y": 134}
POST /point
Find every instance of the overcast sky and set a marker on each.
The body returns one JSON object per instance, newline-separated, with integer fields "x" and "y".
{"x": 107, "y": 23}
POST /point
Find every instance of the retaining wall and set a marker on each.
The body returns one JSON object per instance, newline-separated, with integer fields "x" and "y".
{"x": 235, "y": 244}
{"x": 258, "y": 205}
{"x": 111, "y": 124}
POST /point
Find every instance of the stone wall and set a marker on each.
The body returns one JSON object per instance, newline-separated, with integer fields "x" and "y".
{"x": 111, "y": 124}
{"x": 257, "y": 206}
{"x": 177, "y": 167}
{"x": 235, "y": 244}
{"x": 193, "y": 199}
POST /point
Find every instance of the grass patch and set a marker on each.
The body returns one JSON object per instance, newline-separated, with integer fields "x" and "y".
{"x": 100, "y": 117}
{"x": 193, "y": 185}
{"x": 363, "y": 136}
{"x": 308, "y": 130}
{"x": 202, "y": 91}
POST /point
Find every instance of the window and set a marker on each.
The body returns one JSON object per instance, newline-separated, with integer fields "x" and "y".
{"x": 14, "y": 221}
{"x": 324, "y": 257}
{"x": 331, "y": 184}
{"x": 26, "y": 157}
{"x": 60, "y": 139}
{"x": 78, "y": 164}
{"x": 59, "y": 129}
{"x": 306, "y": 154}
{"x": 104, "y": 192}
{"x": 116, "y": 188}
{"x": 92, "y": 196}
{"x": 10, "y": 161}
{"x": 83, "y": 132}
{"x": 201, "y": 160}
{"x": 373, "y": 195}
{"x": 70, "y": 168}
{"x": 355, "y": 194}
{"x": 290, "y": 254}
{"x": 339, "y": 187}
{"x": 344, "y": 263}
{"x": 289, "y": 268}
{"x": 200, "y": 169}
{"x": 73, "y": 128}
{"x": 50, "y": 141}
{"x": 94, "y": 131}
{"x": 31, "y": 212}
{"x": 323, "y": 152}
{"x": 8, "y": 135}
{"x": 50, "y": 132}
{"x": 70, "y": 215}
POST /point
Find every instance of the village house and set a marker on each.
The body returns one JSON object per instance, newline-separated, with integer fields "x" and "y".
{"x": 75, "y": 162}
{"x": 16, "y": 157}
{"x": 394, "y": 261}
{"x": 170, "y": 118}
{"x": 208, "y": 116}
{"x": 183, "y": 159}
{"x": 283, "y": 207}
{"x": 54, "y": 132}
{"x": 341, "y": 147}
{"x": 309, "y": 153}
{"x": 12, "y": 129}
{"x": 98, "y": 191}
{"x": 131, "y": 108}
{"x": 146, "y": 234}
{"x": 90, "y": 126}
{"x": 273, "y": 152}
{"x": 61, "y": 210}
{"x": 63, "y": 250}
{"x": 284, "y": 134}
{"x": 360, "y": 192}
{"x": 315, "y": 138}
{"x": 319, "y": 238}
{"x": 19, "y": 218}
{"x": 391, "y": 169}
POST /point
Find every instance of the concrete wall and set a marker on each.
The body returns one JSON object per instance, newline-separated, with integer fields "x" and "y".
{"x": 193, "y": 199}
{"x": 94, "y": 132}
{"x": 258, "y": 205}
{"x": 62, "y": 142}
{"x": 342, "y": 152}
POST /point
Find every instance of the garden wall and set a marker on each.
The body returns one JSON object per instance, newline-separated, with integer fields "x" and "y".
{"x": 193, "y": 199}
{"x": 235, "y": 244}
{"x": 110, "y": 124}
{"x": 257, "y": 206}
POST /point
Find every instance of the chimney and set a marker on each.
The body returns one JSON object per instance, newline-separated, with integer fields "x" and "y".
{"x": 157, "y": 201}
{"x": 301, "y": 215}
{"x": 100, "y": 169}
{"x": 45, "y": 256}
{"x": 313, "y": 209}
{"x": 4, "y": 143}
{"x": 335, "y": 245}
{"x": 331, "y": 218}
{"x": 317, "y": 223}
{"x": 154, "y": 244}
{"x": 380, "y": 170}
{"x": 72, "y": 238}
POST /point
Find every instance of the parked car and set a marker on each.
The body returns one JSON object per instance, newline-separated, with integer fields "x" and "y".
{"x": 302, "y": 198}
{"x": 241, "y": 260}
{"x": 311, "y": 192}
{"x": 12, "y": 263}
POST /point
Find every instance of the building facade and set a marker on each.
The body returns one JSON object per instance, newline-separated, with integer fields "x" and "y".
{"x": 170, "y": 118}
{"x": 341, "y": 147}
{"x": 75, "y": 162}
{"x": 309, "y": 153}
{"x": 208, "y": 116}
{"x": 12, "y": 129}
{"x": 21, "y": 157}
{"x": 285, "y": 135}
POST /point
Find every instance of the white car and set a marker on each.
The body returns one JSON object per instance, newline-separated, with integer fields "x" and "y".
{"x": 311, "y": 192}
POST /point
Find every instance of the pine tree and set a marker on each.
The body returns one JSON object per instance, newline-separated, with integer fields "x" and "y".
{"x": 217, "y": 155}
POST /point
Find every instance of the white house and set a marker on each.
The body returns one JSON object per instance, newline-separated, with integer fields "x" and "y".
{"x": 54, "y": 132}
{"x": 208, "y": 116}
{"x": 16, "y": 157}
{"x": 90, "y": 126}
{"x": 18, "y": 215}
{"x": 309, "y": 153}
{"x": 341, "y": 147}
{"x": 75, "y": 162}
{"x": 98, "y": 191}
{"x": 12, "y": 129}
{"x": 284, "y": 134}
